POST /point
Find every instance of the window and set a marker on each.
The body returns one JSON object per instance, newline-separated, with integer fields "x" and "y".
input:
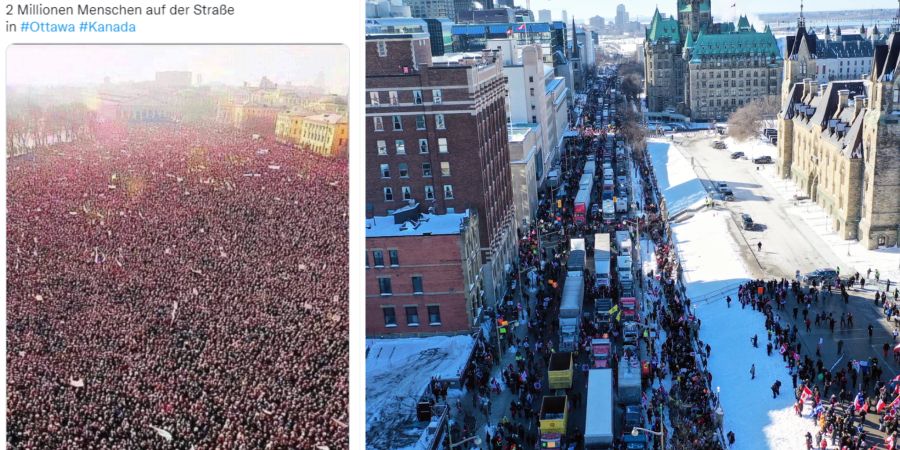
{"x": 398, "y": 125}
{"x": 373, "y": 99}
{"x": 379, "y": 126}
{"x": 390, "y": 316}
{"x": 532, "y": 92}
{"x": 385, "y": 171}
{"x": 378, "y": 258}
{"x": 420, "y": 122}
{"x": 442, "y": 145}
{"x": 531, "y": 79}
{"x": 448, "y": 191}
{"x": 429, "y": 192}
{"x": 423, "y": 146}
{"x": 388, "y": 194}
{"x": 426, "y": 170}
{"x": 382, "y": 147}
{"x": 533, "y": 119}
{"x": 434, "y": 315}
{"x": 436, "y": 96}
{"x": 394, "y": 99}
{"x": 417, "y": 285}
{"x": 406, "y": 193}
{"x": 401, "y": 146}
{"x": 384, "y": 286}
{"x": 404, "y": 170}
{"x": 417, "y": 97}
{"x": 394, "y": 256}
{"x": 445, "y": 169}
{"x": 382, "y": 49}
{"x": 412, "y": 316}
{"x": 439, "y": 122}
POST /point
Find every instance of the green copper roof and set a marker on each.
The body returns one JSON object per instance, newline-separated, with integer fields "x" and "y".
{"x": 663, "y": 29}
{"x": 727, "y": 27}
{"x": 690, "y": 40}
{"x": 731, "y": 44}
{"x": 743, "y": 23}
{"x": 685, "y": 6}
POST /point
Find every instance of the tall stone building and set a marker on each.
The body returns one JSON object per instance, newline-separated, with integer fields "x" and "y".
{"x": 436, "y": 135}
{"x": 707, "y": 70}
{"x": 840, "y": 142}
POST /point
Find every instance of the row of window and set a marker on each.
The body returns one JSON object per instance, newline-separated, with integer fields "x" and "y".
{"x": 406, "y": 193}
{"x": 403, "y": 168}
{"x": 400, "y": 146}
{"x": 378, "y": 258}
{"x": 412, "y": 315}
{"x": 385, "y": 289}
{"x": 394, "y": 98}
{"x": 397, "y": 122}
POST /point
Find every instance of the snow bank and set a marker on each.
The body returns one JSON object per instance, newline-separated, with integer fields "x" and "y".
{"x": 752, "y": 148}
{"x": 713, "y": 269}
{"x": 675, "y": 177}
{"x": 397, "y": 374}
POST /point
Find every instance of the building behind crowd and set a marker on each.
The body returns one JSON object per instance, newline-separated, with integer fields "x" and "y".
{"x": 326, "y": 134}
{"x": 707, "y": 70}
{"x": 436, "y": 135}
{"x": 422, "y": 273}
{"x": 829, "y": 58}
{"x": 840, "y": 143}
{"x": 524, "y": 159}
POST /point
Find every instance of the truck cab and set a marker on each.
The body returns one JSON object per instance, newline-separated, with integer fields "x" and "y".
{"x": 630, "y": 332}
{"x": 609, "y": 211}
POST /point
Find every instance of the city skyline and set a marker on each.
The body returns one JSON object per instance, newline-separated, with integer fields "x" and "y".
{"x": 721, "y": 9}
{"x": 38, "y": 65}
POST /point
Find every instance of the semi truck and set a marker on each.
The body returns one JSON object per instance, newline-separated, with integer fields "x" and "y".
{"x": 622, "y": 204}
{"x": 559, "y": 371}
{"x": 609, "y": 211}
{"x": 630, "y": 380}
{"x": 601, "y": 247}
{"x": 623, "y": 242}
{"x": 600, "y": 351}
{"x": 577, "y": 257}
{"x": 570, "y": 313}
{"x": 601, "y": 272}
{"x": 598, "y": 419}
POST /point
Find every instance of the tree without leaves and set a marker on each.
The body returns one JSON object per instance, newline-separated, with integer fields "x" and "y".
{"x": 749, "y": 120}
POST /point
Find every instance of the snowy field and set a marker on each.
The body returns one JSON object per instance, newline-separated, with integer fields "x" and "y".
{"x": 677, "y": 181}
{"x": 397, "y": 374}
{"x": 713, "y": 268}
{"x": 850, "y": 253}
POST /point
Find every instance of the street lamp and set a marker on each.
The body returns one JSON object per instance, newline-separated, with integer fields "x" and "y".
{"x": 477, "y": 440}
{"x": 662, "y": 436}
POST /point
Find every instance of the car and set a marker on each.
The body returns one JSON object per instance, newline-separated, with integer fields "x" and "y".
{"x": 747, "y": 221}
{"x": 824, "y": 276}
{"x": 719, "y": 145}
{"x": 595, "y": 209}
{"x": 737, "y": 155}
{"x": 634, "y": 417}
{"x": 727, "y": 194}
{"x": 721, "y": 186}
{"x": 762, "y": 160}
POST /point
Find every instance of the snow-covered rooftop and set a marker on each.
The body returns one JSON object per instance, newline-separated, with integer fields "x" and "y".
{"x": 398, "y": 372}
{"x": 428, "y": 224}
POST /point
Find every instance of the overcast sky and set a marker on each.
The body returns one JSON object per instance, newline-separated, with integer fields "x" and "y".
{"x": 585, "y": 9}
{"x": 227, "y": 64}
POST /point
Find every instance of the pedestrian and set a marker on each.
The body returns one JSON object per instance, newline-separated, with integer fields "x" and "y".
{"x": 754, "y": 341}
{"x": 870, "y": 332}
{"x": 776, "y": 387}
{"x": 885, "y": 348}
{"x": 769, "y": 349}
{"x": 840, "y": 345}
{"x": 752, "y": 371}
{"x": 759, "y": 246}
{"x": 730, "y": 438}
{"x": 728, "y": 301}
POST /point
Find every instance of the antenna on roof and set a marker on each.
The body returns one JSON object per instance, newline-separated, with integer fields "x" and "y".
{"x": 801, "y": 22}
{"x": 895, "y": 25}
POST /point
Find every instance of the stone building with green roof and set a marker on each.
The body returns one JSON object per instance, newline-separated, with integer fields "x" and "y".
{"x": 707, "y": 70}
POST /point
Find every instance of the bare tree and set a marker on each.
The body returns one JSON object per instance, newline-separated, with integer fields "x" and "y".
{"x": 749, "y": 120}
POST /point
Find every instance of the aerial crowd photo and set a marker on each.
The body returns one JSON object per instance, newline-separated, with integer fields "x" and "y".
{"x": 632, "y": 226}
{"x": 177, "y": 247}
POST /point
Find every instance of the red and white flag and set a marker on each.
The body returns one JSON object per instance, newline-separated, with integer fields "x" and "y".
{"x": 805, "y": 394}
{"x": 889, "y": 442}
{"x": 880, "y": 406}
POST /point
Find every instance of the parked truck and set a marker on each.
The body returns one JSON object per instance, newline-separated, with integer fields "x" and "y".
{"x": 601, "y": 247}
{"x": 629, "y": 307}
{"x": 554, "y": 414}
{"x": 601, "y": 272}
{"x": 609, "y": 211}
{"x": 623, "y": 242}
{"x": 570, "y": 313}
{"x": 600, "y": 351}
{"x": 598, "y": 420}
{"x": 602, "y": 315}
{"x": 622, "y": 204}
{"x": 630, "y": 380}
{"x": 577, "y": 257}
{"x": 559, "y": 370}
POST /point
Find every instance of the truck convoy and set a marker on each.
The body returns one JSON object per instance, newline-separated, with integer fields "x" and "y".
{"x": 598, "y": 421}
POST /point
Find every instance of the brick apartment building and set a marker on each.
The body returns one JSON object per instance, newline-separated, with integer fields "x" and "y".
{"x": 421, "y": 273}
{"x": 436, "y": 135}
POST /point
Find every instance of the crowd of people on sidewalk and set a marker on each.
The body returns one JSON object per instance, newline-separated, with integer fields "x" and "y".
{"x": 170, "y": 282}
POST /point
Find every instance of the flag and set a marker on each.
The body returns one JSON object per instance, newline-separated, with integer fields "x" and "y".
{"x": 880, "y": 406}
{"x": 805, "y": 394}
{"x": 165, "y": 434}
{"x": 79, "y": 383}
{"x": 521, "y": 27}
{"x": 889, "y": 442}
{"x": 614, "y": 309}
{"x": 509, "y": 31}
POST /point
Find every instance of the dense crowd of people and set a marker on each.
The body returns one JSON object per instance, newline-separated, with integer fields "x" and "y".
{"x": 176, "y": 282}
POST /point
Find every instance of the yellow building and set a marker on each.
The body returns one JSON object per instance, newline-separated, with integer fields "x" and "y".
{"x": 326, "y": 134}
{"x": 289, "y": 126}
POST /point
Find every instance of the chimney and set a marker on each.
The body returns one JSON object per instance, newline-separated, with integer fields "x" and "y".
{"x": 813, "y": 88}
{"x": 858, "y": 104}
{"x": 806, "y": 82}
{"x": 843, "y": 97}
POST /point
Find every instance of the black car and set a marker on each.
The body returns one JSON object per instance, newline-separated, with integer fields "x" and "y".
{"x": 737, "y": 155}
{"x": 825, "y": 276}
{"x": 747, "y": 221}
{"x": 762, "y": 160}
{"x": 719, "y": 145}
{"x": 727, "y": 194}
